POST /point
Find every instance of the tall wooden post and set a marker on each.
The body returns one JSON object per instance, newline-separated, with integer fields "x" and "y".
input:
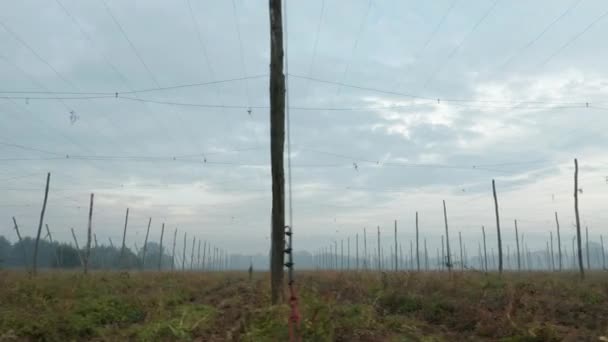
{"x": 559, "y": 243}
{"x": 461, "y": 251}
{"x": 379, "y": 252}
{"x": 160, "y": 257}
{"x": 396, "y": 255}
{"x": 46, "y": 195}
{"x": 357, "y": 251}
{"x": 192, "y": 253}
{"x": 89, "y": 229}
{"x": 198, "y": 262}
{"x": 25, "y": 262}
{"x": 447, "y": 239}
{"x": 485, "y": 249}
{"x": 587, "y": 247}
{"x": 364, "y": 249}
{"x": 204, "y": 254}
{"x": 517, "y": 244}
{"x": 497, "y": 227}
{"x": 48, "y": 232}
{"x": 342, "y": 255}
{"x": 173, "y": 251}
{"x": 603, "y": 252}
{"x": 277, "y": 140}
{"x": 578, "y": 222}
{"x": 184, "y": 254}
{"x": 417, "y": 246}
{"x": 443, "y": 262}
{"x": 426, "y": 256}
{"x": 552, "y": 254}
{"x": 124, "y": 235}
{"x": 77, "y": 248}
{"x": 143, "y": 254}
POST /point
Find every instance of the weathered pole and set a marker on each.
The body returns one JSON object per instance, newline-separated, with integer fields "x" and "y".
{"x": 447, "y": 239}
{"x": 46, "y": 195}
{"x": 192, "y": 253}
{"x": 198, "y": 263}
{"x": 559, "y": 243}
{"x": 552, "y": 254}
{"x": 342, "y": 255}
{"x": 184, "y": 254}
{"x": 25, "y": 262}
{"x": 578, "y": 221}
{"x": 587, "y": 247}
{"x": 277, "y": 140}
{"x": 89, "y": 229}
{"x": 48, "y": 232}
{"x": 77, "y": 248}
{"x": 461, "y": 252}
{"x": 357, "y": 251}
{"x": 160, "y": 257}
{"x": 396, "y": 256}
{"x": 603, "y": 252}
{"x": 379, "y": 252}
{"x": 497, "y": 227}
{"x": 517, "y": 243}
{"x": 364, "y": 249}
{"x": 143, "y": 254}
{"x": 204, "y": 254}
{"x": 485, "y": 250}
{"x": 417, "y": 246}
{"x": 443, "y": 260}
{"x": 426, "y": 256}
{"x": 124, "y": 235}
{"x": 173, "y": 251}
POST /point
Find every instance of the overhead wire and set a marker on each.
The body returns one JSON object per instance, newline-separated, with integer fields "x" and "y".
{"x": 453, "y": 52}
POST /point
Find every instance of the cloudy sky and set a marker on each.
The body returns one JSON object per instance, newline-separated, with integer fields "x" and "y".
{"x": 162, "y": 107}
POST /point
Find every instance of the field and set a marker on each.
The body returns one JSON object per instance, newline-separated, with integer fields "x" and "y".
{"x": 65, "y": 306}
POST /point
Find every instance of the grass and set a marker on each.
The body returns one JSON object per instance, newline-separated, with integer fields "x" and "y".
{"x": 351, "y": 306}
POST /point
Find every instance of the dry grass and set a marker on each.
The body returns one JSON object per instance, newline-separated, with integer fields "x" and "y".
{"x": 334, "y": 306}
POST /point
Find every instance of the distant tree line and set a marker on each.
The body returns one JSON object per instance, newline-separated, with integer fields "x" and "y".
{"x": 66, "y": 256}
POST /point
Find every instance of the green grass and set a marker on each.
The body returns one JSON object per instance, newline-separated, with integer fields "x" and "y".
{"x": 65, "y": 306}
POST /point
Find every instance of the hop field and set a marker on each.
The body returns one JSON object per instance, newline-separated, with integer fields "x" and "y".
{"x": 65, "y": 306}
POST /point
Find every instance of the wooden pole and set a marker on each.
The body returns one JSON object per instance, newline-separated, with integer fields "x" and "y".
{"x": 517, "y": 243}
{"x": 204, "y": 254}
{"x": 578, "y": 221}
{"x": 447, "y": 239}
{"x": 396, "y": 256}
{"x": 192, "y": 253}
{"x": 559, "y": 243}
{"x": 124, "y": 235}
{"x": 417, "y": 246}
{"x": 552, "y": 254}
{"x": 277, "y": 140}
{"x": 77, "y": 248}
{"x": 357, "y": 251}
{"x": 46, "y": 195}
{"x": 603, "y": 252}
{"x": 89, "y": 230}
{"x": 342, "y": 255}
{"x": 485, "y": 249}
{"x": 364, "y": 249}
{"x": 48, "y": 232}
{"x": 198, "y": 263}
{"x": 143, "y": 254}
{"x": 443, "y": 260}
{"x": 497, "y": 227}
{"x": 25, "y": 262}
{"x": 379, "y": 252}
{"x": 173, "y": 251}
{"x": 587, "y": 247}
{"x": 461, "y": 252}
{"x": 184, "y": 254}
{"x": 160, "y": 257}
{"x": 426, "y": 257}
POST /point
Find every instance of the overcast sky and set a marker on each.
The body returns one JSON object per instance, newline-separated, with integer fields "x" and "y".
{"x": 395, "y": 106}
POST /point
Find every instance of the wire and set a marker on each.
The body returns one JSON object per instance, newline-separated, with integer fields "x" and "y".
{"x": 572, "y": 39}
{"x": 242, "y": 54}
{"x": 356, "y": 43}
{"x": 542, "y": 33}
{"x": 288, "y": 125}
{"x": 429, "y": 39}
{"x": 460, "y": 44}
